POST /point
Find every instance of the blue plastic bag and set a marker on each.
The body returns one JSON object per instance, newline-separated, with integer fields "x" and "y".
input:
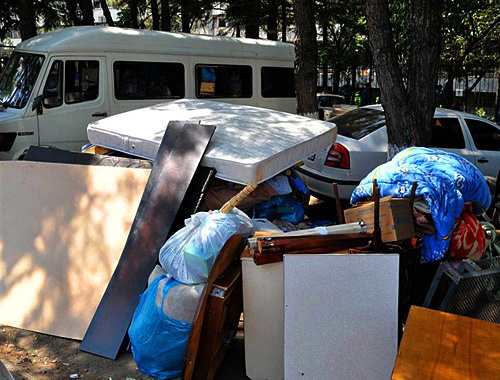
{"x": 282, "y": 207}
{"x": 158, "y": 341}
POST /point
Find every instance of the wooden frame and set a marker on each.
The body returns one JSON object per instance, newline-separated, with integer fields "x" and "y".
{"x": 217, "y": 315}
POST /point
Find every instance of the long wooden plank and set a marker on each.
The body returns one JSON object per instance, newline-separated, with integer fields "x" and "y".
{"x": 178, "y": 158}
{"x": 438, "y": 345}
{"x": 62, "y": 231}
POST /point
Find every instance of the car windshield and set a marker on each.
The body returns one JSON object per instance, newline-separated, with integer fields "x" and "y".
{"x": 19, "y": 78}
{"x": 328, "y": 100}
{"x": 359, "y": 123}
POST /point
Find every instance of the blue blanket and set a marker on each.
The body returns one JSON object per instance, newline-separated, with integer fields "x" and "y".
{"x": 445, "y": 180}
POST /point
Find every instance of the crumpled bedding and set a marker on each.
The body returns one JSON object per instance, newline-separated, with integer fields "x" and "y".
{"x": 445, "y": 180}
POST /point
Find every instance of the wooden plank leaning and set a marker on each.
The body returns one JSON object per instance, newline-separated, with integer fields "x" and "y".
{"x": 180, "y": 153}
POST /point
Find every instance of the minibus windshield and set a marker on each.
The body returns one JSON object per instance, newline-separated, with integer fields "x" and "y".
{"x": 19, "y": 78}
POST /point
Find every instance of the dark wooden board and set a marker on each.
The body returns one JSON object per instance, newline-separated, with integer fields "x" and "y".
{"x": 180, "y": 153}
{"x": 60, "y": 156}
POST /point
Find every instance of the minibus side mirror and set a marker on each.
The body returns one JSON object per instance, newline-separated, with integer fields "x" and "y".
{"x": 37, "y": 104}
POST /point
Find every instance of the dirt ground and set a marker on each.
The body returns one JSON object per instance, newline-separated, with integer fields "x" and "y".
{"x": 29, "y": 355}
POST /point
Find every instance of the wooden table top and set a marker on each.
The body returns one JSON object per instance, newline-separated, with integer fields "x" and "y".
{"x": 443, "y": 346}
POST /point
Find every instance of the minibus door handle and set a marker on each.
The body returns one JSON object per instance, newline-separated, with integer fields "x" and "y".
{"x": 100, "y": 114}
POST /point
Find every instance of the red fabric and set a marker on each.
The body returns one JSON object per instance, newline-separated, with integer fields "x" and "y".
{"x": 467, "y": 238}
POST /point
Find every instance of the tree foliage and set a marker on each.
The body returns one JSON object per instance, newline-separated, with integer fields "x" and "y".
{"x": 471, "y": 41}
{"x": 345, "y": 26}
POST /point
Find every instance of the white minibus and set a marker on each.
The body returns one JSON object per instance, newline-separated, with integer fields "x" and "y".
{"x": 57, "y": 83}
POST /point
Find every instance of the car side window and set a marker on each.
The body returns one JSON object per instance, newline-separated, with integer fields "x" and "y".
{"x": 223, "y": 81}
{"x": 484, "y": 135}
{"x": 447, "y": 133}
{"x": 82, "y": 81}
{"x": 148, "y": 80}
{"x": 53, "y": 90}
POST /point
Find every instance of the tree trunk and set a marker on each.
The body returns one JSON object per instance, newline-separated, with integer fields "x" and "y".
{"x": 134, "y": 13}
{"x": 107, "y": 13}
{"x": 27, "y": 19}
{"x": 72, "y": 5}
{"x": 446, "y": 95}
{"x": 425, "y": 26}
{"x": 353, "y": 95}
{"x": 253, "y": 19}
{"x": 272, "y": 21}
{"x": 336, "y": 81}
{"x": 238, "y": 31}
{"x": 408, "y": 111}
{"x": 497, "y": 105}
{"x": 283, "y": 20}
{"x": 87, "y": 12}
{"x": 186, "y": 16}
{"x": 166, "y": 25}
{"x": 155, "y": 14}
{"x": 324, "y": 82}
{"x": 306, "y": 57}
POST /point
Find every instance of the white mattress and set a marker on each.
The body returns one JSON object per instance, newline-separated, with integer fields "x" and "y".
{"x": 249, "y": 144}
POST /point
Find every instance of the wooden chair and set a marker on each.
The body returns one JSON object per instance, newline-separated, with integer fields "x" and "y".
{"x": 218, "y": 314}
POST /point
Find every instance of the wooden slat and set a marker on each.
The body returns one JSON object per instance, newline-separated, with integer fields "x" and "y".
{"x": 443, "y": 346}
{"x": 340, "y": 213}
{"x": 283, "y": 244}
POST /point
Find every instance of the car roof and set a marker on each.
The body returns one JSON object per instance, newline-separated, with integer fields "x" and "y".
{"x": 439, "y": 112}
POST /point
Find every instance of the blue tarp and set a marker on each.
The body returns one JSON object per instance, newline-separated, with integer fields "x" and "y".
{"x": 445, "y": 180}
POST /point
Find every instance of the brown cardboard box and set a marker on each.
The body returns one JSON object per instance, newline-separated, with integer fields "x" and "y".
{"x": 396, "y": 221}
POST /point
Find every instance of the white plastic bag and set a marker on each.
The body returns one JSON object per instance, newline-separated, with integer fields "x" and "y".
{"x": 189, "y": 254}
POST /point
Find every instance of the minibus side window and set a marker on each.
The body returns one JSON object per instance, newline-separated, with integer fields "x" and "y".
{"x": 223, "y": 81}
{"x": 148, "y": 80}
{"x": 53, "y": 90}
{"x": 277, "y": 82}
{"x": 81, "y": 81}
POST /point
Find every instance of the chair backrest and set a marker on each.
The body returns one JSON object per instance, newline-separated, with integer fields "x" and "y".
{"x": 230, "y": 252}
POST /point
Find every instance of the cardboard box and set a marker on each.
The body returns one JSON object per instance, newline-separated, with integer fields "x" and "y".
{"x": 396, "y": 221}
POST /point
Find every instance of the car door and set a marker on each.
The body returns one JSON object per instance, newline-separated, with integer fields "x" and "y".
{"x": 486, "y": 140}
{"x": 74, "y": 94}
{"x": 448, "y": 135}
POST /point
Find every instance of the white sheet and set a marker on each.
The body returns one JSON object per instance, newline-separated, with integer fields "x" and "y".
{"x": 249, "y": 144}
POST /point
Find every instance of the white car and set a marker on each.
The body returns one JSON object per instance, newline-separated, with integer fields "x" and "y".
{"x": 361, "y": 146}
{"x": 330, "y": 105}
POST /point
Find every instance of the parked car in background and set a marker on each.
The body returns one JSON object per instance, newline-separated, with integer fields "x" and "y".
{"x": 330, "y": 105}
{"x": 361, "y": 146}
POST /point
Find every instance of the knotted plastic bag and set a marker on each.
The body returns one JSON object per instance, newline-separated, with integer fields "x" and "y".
{"x": 189, "y": 254}
{"x": 158, "y": 341}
